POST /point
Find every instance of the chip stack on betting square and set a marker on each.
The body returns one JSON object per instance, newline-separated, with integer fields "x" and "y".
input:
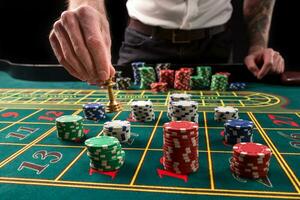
{"x": 117, "y": 128}
{"x": 224, "y": 113}
{"x": 94, "y": 111}
{"x": 250, "y": 160}
{"x": 180, "y": 147}
{"x": 177, "y": 97}
{"x": 105, "y": 153}
{"x": 219, "y": 82}
{"x": 167, "y": 76}
{"x": 147, "y": 77}
{"x": 70, "y": 127}
{"x": 238, "y": 130}
{"x": 182, "y": 79}
{"x": 136, "y": 72}
{"x": 142, "y": 111}
{"x": 123, "y": 83}
{"x": 184, "y": 111}
{"x": 205, "y": 73}
{"x": 161, "y": 66}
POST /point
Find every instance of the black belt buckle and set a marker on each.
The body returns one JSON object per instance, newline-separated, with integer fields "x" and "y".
{"x": 181, "y": 37}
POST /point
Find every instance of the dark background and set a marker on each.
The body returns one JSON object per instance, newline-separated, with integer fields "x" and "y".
{"x": 25, "y": 26}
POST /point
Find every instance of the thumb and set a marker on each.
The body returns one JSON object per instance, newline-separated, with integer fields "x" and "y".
{"x": 251, "y": 64}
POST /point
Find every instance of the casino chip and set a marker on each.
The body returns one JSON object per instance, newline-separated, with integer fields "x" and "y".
{"x": 94, "y": 111}
{"x": 136, "y": 73}
{"x": 224, "y": 113}
{"x": 176, "y": 97}
{"x": 161, "y": 66}
{"x": 117, "y": 128}
{"x": 159, "y": 87}
{"x": 180, "y": 147}
{"x": 184, "y": 111}
{"x": 70, "y": 127}
{"x": 182, "y": 79}
{"x": 250, "y": 160}
{"x": 167, "y": 76}
{"x": 197, "y": 82}
{"x": 123, "y": 83}
{"x": 237, "y": 131}
{"x": 142, "y": 111}
{"x": 205, "y": 73}
{"x": 147, "y": 77}
{"x": 237, "y": 86}
{"x": 219, "y": 82}
{"x": 105, "y": 153}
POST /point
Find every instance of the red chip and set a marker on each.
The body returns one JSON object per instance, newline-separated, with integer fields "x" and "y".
{"x": 250, "y": 149}
{"x": 181, "y": 126}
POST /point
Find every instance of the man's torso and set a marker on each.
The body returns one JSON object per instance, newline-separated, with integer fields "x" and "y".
{"x": 181, "y": 14}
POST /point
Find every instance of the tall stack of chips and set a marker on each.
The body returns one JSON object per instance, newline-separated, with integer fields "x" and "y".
{"x": 167, "y": 76}
{"x": 250, "y": 160}
{"x": 147, "y": 77}
{"x": 142, "y": 111}
{"x": 205, "y": 72}
{"x": 182, "y": 80}
{"x": 117, "y": 128}
{"x": 197, "y": 82}
{"x": 238, "y": 130}
{"x": 161, "y": 66}
{"x": 70, "y": 127}
{"x": 159, "y": 87}
{"x": 180, "y": 147}
{"x": 123, "y": 83}
{"x": 224, "y": 113}
{"x": 105, "y": 153}
{"x": 94, "y": 111}
{"x": 176, "y": 97}
{"x": 184, "y": 111}
{"x": 219, "y": 82}
{"x": 136, "y": 72}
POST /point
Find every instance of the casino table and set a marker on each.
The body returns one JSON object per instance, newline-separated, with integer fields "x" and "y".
{"x": 34, "y": 164}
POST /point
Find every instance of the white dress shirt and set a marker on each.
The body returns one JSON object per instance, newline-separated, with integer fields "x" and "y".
{"x": 181, "y": 14}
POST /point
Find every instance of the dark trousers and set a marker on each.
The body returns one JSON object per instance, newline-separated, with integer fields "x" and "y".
{"x": 140, "y": 47}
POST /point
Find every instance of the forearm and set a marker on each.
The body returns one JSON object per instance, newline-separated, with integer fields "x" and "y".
{"x": 96, "y": 4}
{"x": 258, "y": 17}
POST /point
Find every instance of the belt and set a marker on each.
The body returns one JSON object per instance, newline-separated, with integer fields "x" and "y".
{"x": 175, "y": 35}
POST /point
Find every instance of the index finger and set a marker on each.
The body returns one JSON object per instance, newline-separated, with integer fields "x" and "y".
{"x": 95, "y": 42}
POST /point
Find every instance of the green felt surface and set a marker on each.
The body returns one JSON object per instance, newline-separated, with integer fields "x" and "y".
{"x": 35, "y": 164}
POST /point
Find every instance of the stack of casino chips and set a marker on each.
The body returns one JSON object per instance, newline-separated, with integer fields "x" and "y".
{"x": 205, "y": 72}
{"x": 94, "y": 111}
{"x": 197, "y": 82}
{"x": 184, "y": 111}
{"x": 182, "y": 80}
{"x": 117, "y": 128}
{"x": 136, "y": 73}
{"x": 219, "y": 82}
{"x": 70, "y": 127}
{"x": 161, "y": 66}
{"x": 250, "y": 160}
{"x": 147, "y": 77}
{"x": 177, "y": 97}
{"x": 224, "y": 113}
{"x": 142, "y": 111}
{"x": 105, "y": 153}
{"x": 123, "y": 83}
{"x": 237, "y": 86}
{"x": 167, "y": 76}
{"x": 159, "y": 87}
{"x": 180, "y": 147}
{"x": 237, "y": 131}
